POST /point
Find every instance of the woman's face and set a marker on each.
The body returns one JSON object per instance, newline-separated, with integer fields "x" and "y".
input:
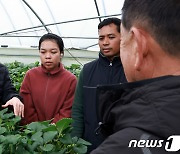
{"x": 49, "y": 54}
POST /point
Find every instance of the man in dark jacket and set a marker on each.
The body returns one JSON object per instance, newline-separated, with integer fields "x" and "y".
{"x": 143, "y": 116}
{"x": 107, "y": 69}
{"x": 8, "y": 94}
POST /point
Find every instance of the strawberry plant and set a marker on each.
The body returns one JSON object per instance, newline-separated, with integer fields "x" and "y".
{"x": 38, "y": 137}
{"x": 17, "y": 71}
{"x": 75, "y": 69}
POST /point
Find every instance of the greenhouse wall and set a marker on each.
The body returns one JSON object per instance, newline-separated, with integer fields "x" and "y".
{"x": 31, "y": 55}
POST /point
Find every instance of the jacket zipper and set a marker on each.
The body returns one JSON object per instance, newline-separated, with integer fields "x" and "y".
{"x": 110, "y": 72}
{"x": 45, "y": 95}
{"x": 110, "y": 64}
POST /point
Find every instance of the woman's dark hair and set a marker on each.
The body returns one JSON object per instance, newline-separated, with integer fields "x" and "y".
{"x": 56, "y": 38}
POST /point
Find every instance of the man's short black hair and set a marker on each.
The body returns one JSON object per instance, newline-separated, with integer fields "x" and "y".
{"x": 161, "y": 18}
{"x": 109, "y": 21}
{"x": 56, "y": 38}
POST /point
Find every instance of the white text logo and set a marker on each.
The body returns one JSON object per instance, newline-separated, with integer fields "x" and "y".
{"x": 172, "y": 143}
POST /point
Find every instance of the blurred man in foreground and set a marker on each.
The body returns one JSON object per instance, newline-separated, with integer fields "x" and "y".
{"x": 141, "y": 116}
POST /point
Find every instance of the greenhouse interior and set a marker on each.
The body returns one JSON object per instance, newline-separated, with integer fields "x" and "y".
{"x": 23, "y": 22}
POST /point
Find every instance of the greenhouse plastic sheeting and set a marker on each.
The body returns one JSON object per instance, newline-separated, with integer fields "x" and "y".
{"x": 23, "y": 22}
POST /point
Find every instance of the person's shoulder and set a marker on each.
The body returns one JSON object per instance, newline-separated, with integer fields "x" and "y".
{"x": 69, "y": 74}
{"x": 3, "y": 69}
{"x": 90, "y": 64}
{"x": 2, "y": 66}
{"x": 33, "y": 70}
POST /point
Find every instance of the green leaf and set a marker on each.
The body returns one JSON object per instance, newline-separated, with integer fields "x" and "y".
{"x": 35, "y": 145}
{"x": 2, "y": 130}
{"x": 37, "y": 136}
{"x": 46, "y": 123}
{"x": 66, "y": 139}
{"x": 36, "y": 126}
{"x": 50, "y": 128}
{"x": 63, "y": 124}
{"x": 49, "y": 136}
{"x": 80, "y": 149}
{"x": 8, "y": 115}
{"x": 75, "y": 139}
{"x": 2, "y": 138}
{"x": 81, "y": 141}
{"x": 24, "y": 140}
{"x": 21, "y": 149}
{"x": 12, "y": 139}
{"x": 47, "y": 147}
{"x": 27, "y": 131}
{"x": 59, "y": 152}
{"x": 3, "y": 111}
{"x": 16, "y": 119}
{"x": 1, "y": 149}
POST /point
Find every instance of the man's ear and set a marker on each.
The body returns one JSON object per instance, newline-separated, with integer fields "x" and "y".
{"x": 140, "y": 44}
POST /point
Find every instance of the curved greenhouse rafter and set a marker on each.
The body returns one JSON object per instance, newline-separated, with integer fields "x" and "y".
{"x": 46, "y": 2}
{"x": 9, "y": 17}
{"x": 23, "y": 22}
{"x": 97, "y": 10}
{"x": 36, "y": 15}
{"x": 57, "y": 23}
{"x": 75, "y": 21}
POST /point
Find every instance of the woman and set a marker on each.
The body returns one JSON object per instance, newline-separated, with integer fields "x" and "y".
{"x": 48, "y": 90}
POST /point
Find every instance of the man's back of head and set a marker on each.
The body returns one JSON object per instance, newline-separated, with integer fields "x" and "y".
{"x": 160, "y": 17}
{"x": 154, "y": 27}
{"x": 146, "y": 110}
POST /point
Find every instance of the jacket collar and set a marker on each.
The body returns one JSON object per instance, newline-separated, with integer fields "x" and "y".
{"x": 111, "y": 97}
{"x": 58, "y": 69}
{"x": 116, "y": 60}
